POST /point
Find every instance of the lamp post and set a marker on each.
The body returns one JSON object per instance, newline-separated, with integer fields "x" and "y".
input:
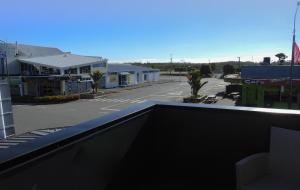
{"x": 293, "y": 58}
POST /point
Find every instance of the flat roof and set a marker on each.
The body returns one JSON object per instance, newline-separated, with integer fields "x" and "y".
{"x": 269, "y": 72}
{"x": 63, "y": 60}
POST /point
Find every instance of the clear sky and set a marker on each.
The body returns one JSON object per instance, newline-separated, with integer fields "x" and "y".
{"x": 149, "y": 30}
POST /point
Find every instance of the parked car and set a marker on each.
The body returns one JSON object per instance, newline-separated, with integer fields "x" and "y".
{"x": 211, "y": 99}
{"x": 234, "y": 95}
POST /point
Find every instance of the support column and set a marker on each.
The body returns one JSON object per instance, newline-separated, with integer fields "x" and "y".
{"x": 62, "y": 87}
{"x": 6, "y": 115}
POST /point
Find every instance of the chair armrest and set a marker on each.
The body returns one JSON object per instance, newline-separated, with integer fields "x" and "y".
{"x": 251, "y": 168}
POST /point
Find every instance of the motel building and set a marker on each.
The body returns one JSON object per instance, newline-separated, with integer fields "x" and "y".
{"x": 44, "y": 71}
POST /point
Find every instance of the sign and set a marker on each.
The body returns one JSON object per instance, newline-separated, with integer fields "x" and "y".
{"x": 282, "y": 89}
{"x": 251, "y": 81}
{"x": 113, "y": 78}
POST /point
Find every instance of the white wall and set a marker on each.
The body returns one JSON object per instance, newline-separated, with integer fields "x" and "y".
{"x": 156, "y": 76}
{"x": 151, "y": 77}
{"x": 109, "y": 83}
{"x": 141, "y": 79}
{"x": 132, "y": 79}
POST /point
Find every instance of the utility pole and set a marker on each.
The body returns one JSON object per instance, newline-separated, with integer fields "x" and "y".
{"x": 171, "y": 65}
{"x": 239, "y": 63}
{"x": 293, "y": 59}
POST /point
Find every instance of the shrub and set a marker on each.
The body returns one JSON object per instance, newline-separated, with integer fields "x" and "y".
{"x": 205, "y": 70}
{"x": 47, "y": 99}
{"x": 228, "y": 69}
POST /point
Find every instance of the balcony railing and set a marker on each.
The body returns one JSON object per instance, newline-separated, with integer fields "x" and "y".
{"x": 152, "y": 145}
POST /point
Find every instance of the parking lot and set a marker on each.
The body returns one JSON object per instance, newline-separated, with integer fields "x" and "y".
{"x": 32, "y": 117}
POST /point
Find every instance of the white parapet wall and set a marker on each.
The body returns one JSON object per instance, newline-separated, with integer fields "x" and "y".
{"x": 6, "y": 114}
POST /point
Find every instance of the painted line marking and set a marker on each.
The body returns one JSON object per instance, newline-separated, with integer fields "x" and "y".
{"x": 137, "y": 101}
{"x": 110, "y": 109}
{"x": 117, "y": 100}
{"x": 165, "y": 95}
{"x": 103, "y": 112}
{"x": 176, "y": 93}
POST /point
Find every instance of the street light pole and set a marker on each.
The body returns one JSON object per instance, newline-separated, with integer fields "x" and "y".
{"x": 293, "y": 58}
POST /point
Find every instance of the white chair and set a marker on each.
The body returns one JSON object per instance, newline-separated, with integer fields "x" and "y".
{"x": 277, "y": 170}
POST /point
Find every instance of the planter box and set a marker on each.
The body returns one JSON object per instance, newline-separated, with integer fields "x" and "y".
{"x": 194, "y": 100}
{"x": 87, "y": 96}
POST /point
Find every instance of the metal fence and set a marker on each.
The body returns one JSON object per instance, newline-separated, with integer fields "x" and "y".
{"x": 78, "y": 87}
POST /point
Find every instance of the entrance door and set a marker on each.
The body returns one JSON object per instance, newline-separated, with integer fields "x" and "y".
{"x": 123, "y": 80}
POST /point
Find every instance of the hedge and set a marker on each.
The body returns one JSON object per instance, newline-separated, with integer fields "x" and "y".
{"x": 47, "y": 99}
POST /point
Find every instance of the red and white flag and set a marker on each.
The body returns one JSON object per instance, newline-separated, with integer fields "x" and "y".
{"x": 296, "y": 54}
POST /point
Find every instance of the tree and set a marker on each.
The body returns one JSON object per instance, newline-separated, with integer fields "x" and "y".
{"x": 96, "y": 76}
{"x": 194, "y": 80}
{"x": 212, "y": 66}
{"x": 281, "y": 57}
{"x": 205, "y": 70}
{"x": 228, "y": 69}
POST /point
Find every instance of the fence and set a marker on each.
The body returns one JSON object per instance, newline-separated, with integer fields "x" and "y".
{"x": 78, "y": 87}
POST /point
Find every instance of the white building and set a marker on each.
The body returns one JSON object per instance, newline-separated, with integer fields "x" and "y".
{"x": 40, "y": 71}
{"x": 125, "y": 75}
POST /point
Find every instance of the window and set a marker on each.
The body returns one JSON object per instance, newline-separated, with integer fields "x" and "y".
{"x": 71, "y": 71}
{"x": 29, "y": 70}
{"x": 85, "y": 69}
{"x": 99, "y": 65}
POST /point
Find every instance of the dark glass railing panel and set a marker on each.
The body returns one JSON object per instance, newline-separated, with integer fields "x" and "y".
{"x": 147, "y": 146}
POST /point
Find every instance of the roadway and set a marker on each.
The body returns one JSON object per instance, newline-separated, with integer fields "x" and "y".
{"x": 33, "y": 117}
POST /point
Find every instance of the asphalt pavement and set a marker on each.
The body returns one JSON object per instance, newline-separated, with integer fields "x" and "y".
{"x": 33, "y": 117}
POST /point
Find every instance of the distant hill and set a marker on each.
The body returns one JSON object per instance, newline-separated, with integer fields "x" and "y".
{"x": 217, "y": 67}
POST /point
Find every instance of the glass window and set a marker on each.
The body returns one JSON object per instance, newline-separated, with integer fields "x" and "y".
{"x": 71, "y": 71}
{"x": 85, "y": 69}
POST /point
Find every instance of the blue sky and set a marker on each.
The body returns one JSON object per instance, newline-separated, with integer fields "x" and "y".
{"x": 151, "y": 30}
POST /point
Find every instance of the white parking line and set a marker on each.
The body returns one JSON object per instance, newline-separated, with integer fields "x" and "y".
{"x": 103, "y": 112}
{"x": 166, "y": 95}
{"x": 137, "y": 101}
{"x": 109, "y": 109}
{"x": 175, "y": 93}
{"x": 116, "y": 100}
{"x": 110, "y": 100}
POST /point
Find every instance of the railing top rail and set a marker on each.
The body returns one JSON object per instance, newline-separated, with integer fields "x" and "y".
{"x": 222, "y": 107}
